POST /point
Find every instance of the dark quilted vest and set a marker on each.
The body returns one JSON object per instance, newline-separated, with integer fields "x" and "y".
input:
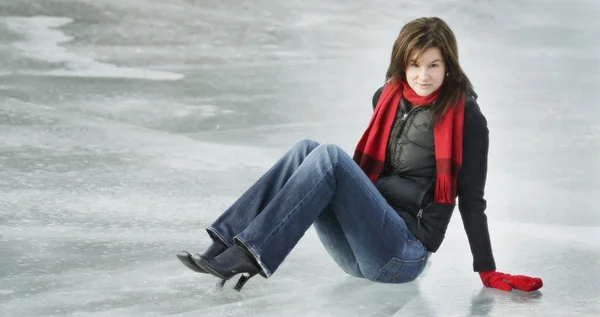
{"x": 410, "y": 159}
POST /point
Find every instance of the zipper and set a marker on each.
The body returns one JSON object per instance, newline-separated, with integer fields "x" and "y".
{"x": 395, "y": 145}
{"x": 399, "y": 133}
{"x": 392, "y": 147}
{"x": 402, "y": 123}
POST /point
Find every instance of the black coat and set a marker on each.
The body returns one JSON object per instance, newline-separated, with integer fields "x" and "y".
{"x": 409, "y": 175}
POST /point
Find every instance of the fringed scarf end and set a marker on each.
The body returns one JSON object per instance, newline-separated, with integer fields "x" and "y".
{"x": 444, "y": 190}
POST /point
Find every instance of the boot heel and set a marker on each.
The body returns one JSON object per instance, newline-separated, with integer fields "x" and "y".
{"x": 242, "y": 281}
{"x": 221, "y": 282}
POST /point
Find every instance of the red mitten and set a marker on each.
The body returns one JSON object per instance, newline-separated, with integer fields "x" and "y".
{"x": 495, "y": 279}
{"x": 507, "y": 282}
{"x": 524, "y": 283}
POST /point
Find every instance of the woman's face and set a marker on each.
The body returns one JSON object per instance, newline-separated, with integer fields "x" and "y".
{"x": 426, "y": 74}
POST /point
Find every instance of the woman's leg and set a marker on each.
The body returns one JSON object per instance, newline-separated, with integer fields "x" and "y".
{"x": 334, "y": 240}
{"x": 384, "y": 249}
{"x": 237, "y": 217}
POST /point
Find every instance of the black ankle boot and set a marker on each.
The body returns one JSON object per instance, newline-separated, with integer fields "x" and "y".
{"x": 235, "y": 260}
{"x": 216, "y": 248}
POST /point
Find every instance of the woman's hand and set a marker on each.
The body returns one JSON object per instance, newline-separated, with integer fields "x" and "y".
{"x": 507, "y": 282}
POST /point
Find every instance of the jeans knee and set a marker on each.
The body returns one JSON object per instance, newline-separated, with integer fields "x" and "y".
{"x": 306, "y": 144}
{"x": 329, "y": 150}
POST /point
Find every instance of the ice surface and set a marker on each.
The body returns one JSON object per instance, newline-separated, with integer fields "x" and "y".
{"x": 42, "y": 40}
{"x": 128, "y": 126}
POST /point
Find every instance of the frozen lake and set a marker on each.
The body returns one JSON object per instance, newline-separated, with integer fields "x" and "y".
{"x": 126, "y": 126}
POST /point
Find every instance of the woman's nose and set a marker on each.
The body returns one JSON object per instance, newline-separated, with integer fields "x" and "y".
{"x": 424, "y": 73}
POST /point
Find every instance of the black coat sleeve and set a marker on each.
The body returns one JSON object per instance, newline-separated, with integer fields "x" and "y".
{"x": 471, "y": 186}
{"x": 376, "y": 97}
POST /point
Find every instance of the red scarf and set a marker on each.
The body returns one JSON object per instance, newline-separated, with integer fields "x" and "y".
{"x": 447, "y": 134}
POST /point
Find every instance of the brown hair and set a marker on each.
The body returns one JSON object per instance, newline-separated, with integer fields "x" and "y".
{"x": 418, "y": 36}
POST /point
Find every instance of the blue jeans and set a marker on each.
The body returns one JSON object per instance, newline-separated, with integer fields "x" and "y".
{"x": 319, "y": 184}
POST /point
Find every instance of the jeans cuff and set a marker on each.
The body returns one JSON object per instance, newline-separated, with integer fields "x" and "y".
{"x": 254, "y": 253}
{"x": 214, "y": 234}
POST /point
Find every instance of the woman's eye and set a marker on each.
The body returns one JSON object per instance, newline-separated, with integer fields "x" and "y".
{"x": 434, "y": 65}
{"x": 414, "y": 65}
